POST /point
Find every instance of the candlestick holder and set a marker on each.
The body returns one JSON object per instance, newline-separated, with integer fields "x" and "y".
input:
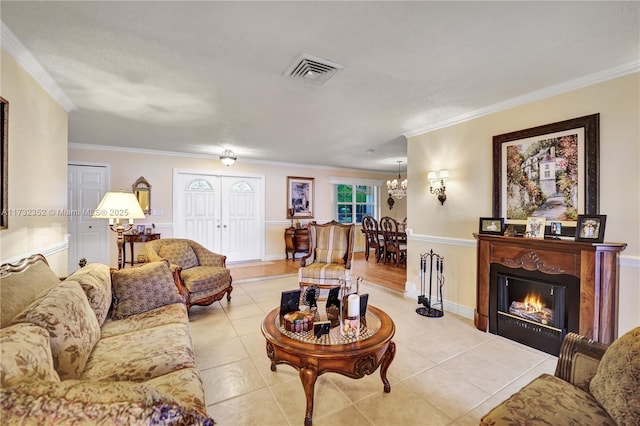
{"x": 350, "y": 309}
{"x": 290, "y": 214}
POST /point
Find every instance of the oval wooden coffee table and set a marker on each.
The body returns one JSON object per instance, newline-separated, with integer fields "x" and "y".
{"x": 353, "y": 359}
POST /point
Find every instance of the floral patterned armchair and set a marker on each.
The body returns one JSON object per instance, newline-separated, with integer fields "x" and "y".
{"x": 204, "y": 277}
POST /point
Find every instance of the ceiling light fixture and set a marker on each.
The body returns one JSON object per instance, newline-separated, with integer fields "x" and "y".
{"x": 228, "y": 157}
{"x": 397, "y": 188}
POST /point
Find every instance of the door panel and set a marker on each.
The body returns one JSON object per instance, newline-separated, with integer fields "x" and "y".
{"x": 240, "y": 220}
{"x": 223, "y": 213}
{"x": 88, "y": 237}
{"x": 198, "y": 216}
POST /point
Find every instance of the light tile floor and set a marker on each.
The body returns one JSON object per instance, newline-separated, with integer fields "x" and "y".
{"x": 445, "y": 371}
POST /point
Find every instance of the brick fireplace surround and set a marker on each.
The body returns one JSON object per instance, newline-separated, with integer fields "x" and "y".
{"x": 596, "y": 265}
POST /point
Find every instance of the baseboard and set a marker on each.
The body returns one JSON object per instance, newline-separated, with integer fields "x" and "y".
{"x": 411, "y": 291}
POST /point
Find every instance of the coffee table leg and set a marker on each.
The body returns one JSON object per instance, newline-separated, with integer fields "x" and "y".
{"x": 388, "y": 356}
{"x": 308, "y": 377}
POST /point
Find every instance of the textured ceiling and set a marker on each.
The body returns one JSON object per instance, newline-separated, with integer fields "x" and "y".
{"x": 199, "y": 77}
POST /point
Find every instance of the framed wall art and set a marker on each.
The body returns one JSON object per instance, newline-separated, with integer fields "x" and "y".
{"x": 491, "y": 225}
{"x": 300, "y": 197}
{"x": 4, "y": 163}
{"x": 591, "y": 228}
{"x": 550, "y": 171}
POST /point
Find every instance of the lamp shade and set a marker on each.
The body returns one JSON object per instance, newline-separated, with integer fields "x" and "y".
{"x": 431, "y": 176}
{"x": 118, "y": 205}
{"x": 444, "y": 174}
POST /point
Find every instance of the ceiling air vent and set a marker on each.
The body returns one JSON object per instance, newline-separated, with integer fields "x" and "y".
{"x": 312, "y": 70}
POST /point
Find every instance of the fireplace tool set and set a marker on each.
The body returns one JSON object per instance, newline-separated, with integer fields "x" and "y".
{"x": 428, "y": 310}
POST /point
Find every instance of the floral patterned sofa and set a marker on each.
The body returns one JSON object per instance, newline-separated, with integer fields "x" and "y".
{"x": 593, "y": 385}
{"x": 99, "y": 347}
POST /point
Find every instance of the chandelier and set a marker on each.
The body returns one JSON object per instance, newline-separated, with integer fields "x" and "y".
{"x": 397, "y": 188}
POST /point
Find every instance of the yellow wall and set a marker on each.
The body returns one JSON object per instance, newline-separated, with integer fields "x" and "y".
{"x": 37, "y": 169}
{"x": 126, "y": 167}
{"x": 466, "y": 150}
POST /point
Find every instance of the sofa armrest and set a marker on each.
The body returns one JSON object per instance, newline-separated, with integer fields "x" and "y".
{"x": 578, "y": 360}
{"x": 177, "y": 278}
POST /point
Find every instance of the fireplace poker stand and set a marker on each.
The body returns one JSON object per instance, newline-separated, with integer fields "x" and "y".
{"x": 428, "y": 310}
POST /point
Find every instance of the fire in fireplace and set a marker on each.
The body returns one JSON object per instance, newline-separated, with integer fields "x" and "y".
{"x": 533, "y": 308}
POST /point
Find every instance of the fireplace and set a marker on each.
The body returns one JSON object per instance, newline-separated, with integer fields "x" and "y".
{"x": 533, "y": 308}
{"x": 589, "y": 270}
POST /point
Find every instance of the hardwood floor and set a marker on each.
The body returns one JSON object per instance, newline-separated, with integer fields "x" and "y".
{"x": 388, "y": 275}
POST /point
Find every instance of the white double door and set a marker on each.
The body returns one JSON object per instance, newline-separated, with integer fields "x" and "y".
{"x": 224, "y": 213}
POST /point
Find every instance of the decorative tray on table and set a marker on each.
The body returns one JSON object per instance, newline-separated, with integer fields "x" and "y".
{"x": 369, "y": 325}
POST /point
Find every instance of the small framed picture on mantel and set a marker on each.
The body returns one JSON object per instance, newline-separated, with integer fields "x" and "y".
{"x": 491, "y": 225}
{"x": 591, "y": 228}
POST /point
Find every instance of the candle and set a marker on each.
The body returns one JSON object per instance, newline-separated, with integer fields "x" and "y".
{"x": 353, "y": 303}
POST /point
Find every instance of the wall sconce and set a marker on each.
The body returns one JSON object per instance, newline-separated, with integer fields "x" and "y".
{"x": 228, "y": 158}
{"x": 440, "y": 189}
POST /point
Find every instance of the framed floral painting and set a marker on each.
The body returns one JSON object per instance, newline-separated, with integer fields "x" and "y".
{"x": 549, "y": 171}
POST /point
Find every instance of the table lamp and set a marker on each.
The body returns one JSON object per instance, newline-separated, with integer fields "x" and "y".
{"x": 117, "y": 206}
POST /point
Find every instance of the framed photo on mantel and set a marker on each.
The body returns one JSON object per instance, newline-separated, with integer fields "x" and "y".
{"x": 591, "y": 228}
{"x": 491, "y": 225}
{"x": 550, "y": 171}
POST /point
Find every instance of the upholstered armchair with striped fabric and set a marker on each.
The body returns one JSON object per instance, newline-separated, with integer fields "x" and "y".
{"x": 329, "y": 258}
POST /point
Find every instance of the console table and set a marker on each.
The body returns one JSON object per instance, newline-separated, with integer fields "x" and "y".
{"x": 296, "y": 240}
{"x": 134, "y": 238}
{"x": 596, "y": 265}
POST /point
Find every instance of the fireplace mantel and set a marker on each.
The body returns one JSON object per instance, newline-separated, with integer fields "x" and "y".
{"x": 596, "y": 265}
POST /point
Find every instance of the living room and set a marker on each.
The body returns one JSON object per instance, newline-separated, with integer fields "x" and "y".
{"x": 40, "y": 150}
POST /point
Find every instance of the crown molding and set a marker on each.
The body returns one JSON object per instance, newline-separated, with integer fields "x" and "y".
{"x": 26, "y": 60}
{"x": 588, "y": 80}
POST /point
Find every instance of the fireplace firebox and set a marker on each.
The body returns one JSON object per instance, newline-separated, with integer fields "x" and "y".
{"x": 533, "y": 308}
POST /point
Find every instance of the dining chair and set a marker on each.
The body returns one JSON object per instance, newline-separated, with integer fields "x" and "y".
{"x": 394, "y": 246}
{"x": 373, "y": 238}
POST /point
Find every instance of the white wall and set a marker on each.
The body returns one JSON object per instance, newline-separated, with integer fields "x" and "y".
{"x": 37, "y": 170}
{"x": 466, "y": 150}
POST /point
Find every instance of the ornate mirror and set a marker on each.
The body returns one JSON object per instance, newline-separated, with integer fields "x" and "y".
{"x": 142, "y": 189}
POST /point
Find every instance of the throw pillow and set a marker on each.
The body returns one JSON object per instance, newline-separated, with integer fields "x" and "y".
{"x": 73, "y": 328}
{"x": 25, "y": 353}
{"x": 95, "y": 280}
{"x": 137, "y": 290}
{"x": 21, "y": 288}
{"x": 179, "y": 253}
{"x": 615, "y": 385}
